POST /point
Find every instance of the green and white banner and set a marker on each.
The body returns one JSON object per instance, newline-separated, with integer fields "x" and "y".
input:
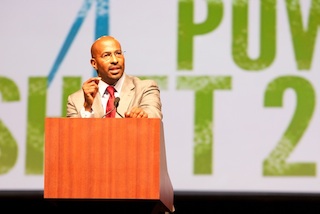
{"x": 238, "y": 78}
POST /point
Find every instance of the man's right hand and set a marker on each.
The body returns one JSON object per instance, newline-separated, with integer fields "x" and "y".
{"x": 90, "y": 89}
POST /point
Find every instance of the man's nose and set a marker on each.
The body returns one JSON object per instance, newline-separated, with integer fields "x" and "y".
{"x": 114, "y": 59}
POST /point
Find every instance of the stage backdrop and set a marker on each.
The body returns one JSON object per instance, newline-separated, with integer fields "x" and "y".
{"x": 239, "y": 80}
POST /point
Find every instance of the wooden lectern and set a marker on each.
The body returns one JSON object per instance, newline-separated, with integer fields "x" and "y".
{"x": 111, "y": 158}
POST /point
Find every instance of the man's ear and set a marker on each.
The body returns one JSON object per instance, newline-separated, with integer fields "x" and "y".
{"x": 93, "y": 63}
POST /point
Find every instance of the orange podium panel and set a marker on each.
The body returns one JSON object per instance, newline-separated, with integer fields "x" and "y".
{"x": 110, "y": 158}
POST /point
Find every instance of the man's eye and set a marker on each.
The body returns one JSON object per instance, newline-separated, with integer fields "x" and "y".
{"x": 106, "y": 55}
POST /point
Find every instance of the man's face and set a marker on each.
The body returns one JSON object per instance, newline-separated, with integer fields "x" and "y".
{"x": 108, "y": 60}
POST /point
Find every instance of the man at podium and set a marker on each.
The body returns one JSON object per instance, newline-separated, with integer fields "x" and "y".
{"x": 113, "y": 93}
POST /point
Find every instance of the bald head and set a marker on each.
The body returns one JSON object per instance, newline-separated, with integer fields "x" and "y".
{"x": 95, "y": 46}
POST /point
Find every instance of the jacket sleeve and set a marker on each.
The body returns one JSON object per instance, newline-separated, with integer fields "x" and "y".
{"x": 147, "y": 97}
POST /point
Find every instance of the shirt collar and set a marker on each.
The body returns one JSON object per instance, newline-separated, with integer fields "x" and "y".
{"x": 103, "y": 86}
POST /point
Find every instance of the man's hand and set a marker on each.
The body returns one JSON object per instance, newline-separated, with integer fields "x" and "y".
{"x": 90, "y": 89}
{"x": 136, "y": 113}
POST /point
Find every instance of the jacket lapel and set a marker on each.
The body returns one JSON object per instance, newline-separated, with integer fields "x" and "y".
{"x": 97, "y": 105}
{"x": 126, "y": 95}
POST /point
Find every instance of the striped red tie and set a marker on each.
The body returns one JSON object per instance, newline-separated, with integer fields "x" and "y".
{"x": 110, "y": 111}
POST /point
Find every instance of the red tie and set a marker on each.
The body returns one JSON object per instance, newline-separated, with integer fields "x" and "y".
{"x": 111, "y": 112}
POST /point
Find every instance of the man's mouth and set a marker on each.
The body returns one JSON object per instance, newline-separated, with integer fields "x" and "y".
{"x": 114, "y": 70}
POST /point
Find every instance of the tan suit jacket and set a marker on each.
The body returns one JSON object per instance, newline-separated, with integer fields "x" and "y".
{"x": 134, "y": 93}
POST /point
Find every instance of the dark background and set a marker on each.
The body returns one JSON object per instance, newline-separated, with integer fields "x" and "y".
{"x": 185, "y": 202}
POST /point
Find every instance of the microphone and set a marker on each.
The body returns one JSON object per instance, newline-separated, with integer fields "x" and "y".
{"x": 116, "y": 104}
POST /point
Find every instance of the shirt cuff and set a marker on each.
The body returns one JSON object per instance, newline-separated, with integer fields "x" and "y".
{"x": 86, "y": 114}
